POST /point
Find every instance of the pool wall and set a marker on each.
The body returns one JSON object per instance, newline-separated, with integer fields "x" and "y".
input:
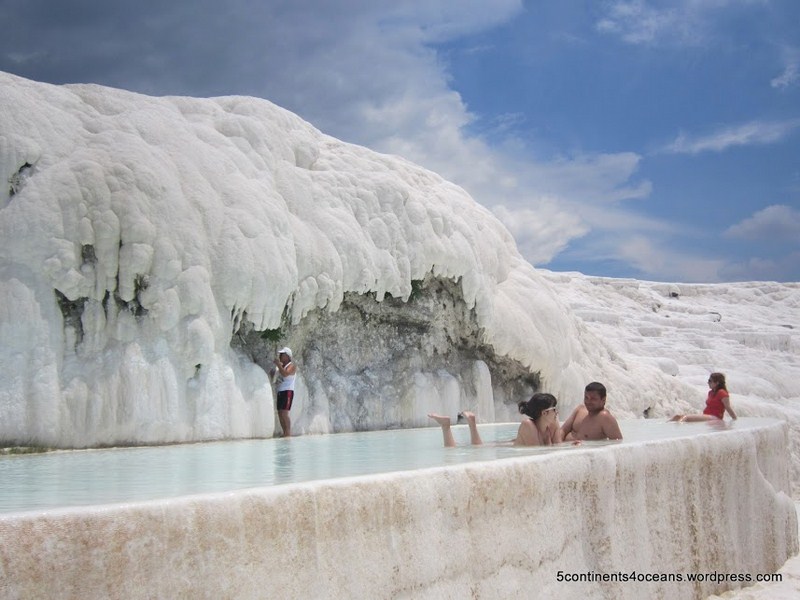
{"x": 715, "y": 503}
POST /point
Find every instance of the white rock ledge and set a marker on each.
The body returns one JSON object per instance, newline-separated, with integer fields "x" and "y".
{"x": 715, "y": 503}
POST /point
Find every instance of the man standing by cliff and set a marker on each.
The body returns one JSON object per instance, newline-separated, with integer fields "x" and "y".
{"x": 284, "y": 385}
{"x": 591, "y": 420}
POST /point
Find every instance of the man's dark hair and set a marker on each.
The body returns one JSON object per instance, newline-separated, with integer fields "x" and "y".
{"x": 596, "y": 386}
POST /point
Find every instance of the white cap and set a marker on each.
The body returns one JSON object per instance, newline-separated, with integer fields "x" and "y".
{"x": 286, "y": 351}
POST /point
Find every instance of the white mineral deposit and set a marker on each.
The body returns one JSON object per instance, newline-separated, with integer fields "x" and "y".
{"x": 155, "y": 251}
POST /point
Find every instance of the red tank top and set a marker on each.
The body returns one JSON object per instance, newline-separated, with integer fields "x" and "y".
{"x": 714, "y": 405}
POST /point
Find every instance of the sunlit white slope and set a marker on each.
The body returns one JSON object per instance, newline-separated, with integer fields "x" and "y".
{"x": 164, "y": 222}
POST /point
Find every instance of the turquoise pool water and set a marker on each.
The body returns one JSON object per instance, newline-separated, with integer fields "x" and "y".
{"x": 65, "y": 479}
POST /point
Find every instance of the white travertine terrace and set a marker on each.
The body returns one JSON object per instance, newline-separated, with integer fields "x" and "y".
{"x": 137, "y": 233}
{"x": 715, "y": 503}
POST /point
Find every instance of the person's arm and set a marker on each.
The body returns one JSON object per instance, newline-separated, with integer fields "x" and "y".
{"x": 726, "y": 402}
{"x": 554, "y": 434}
{"x": 289, "y": 369}
{"x": 566, "y": 428}
{"x": 611, "y": 427}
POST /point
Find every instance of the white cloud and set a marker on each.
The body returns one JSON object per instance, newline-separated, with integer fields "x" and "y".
{"x": 748, "y": 134}
{"x": 501, "y": 125}
{"x": 442, "y": 20}
{"x": 786, "y": 268}
{"x": 685, "y": 22}
{"x": 645, "y": 244}
{"x": 21, "y": 58}
{"x": 657, "y": 255}
{"x": 773, "y": 223}
{"x": 544, "y": 232}
{"x": 791, "y": 72}
{"x": 597, "y": 178}
{"x": 654, "y": 258}
{"x": 635, "y": 22}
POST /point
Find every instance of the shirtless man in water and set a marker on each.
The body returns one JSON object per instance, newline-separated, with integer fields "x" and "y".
{"x": 591, "y": 420}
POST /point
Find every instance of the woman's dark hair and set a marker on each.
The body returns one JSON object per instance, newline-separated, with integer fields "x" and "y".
{"x": 719, "y": 380}
{"x": 538, "y": 403}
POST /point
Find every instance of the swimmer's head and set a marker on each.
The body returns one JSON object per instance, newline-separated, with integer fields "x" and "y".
{"x": 718, "y": 381}
{"x": 594, "y": 397}
{"x": 598, "y": 387}
{"x": 537, "y": 404}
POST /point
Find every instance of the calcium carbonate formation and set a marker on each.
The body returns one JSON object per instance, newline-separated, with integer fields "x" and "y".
{"x": 155, "y": 251}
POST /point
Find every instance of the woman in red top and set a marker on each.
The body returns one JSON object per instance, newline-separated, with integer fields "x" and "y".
{"x": 717, "y": 403}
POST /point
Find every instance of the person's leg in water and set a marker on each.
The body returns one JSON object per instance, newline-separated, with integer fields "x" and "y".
{"x": 693, "y": 418}
{"x": 447, "y": 434}
{"x": 286, "y": 422}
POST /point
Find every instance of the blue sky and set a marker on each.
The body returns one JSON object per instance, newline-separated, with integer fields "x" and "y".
{"x": 635, "y": 138}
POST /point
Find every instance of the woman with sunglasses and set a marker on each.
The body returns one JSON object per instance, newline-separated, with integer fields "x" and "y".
{"x": 540, "y": 428}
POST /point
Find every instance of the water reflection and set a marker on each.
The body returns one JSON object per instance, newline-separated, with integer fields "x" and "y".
{"x": 283, "y": 462}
